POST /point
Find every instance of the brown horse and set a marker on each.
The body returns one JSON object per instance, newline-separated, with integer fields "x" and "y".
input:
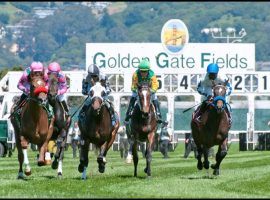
{"x": 61, "y": 124}
{"x": 33, "y": 126}
{"x": 143, "y": 127}
{"x": 96, "y": 128}
{"x": 213, "y": 129}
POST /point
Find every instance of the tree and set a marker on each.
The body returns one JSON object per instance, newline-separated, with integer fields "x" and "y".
{"x": 4, "y": 18}
{"x": 45, "y": 45}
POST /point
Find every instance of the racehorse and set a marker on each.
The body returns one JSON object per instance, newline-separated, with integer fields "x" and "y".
{"x": 143, "y": 126}
{"x": 61, "y": 124}
{"x": 33, "y": 125}
{"x": 96, "y": 128}
{"x": 213, "y": 129}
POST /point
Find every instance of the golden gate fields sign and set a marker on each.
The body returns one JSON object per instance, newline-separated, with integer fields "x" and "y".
{"x": 115, "y": 58}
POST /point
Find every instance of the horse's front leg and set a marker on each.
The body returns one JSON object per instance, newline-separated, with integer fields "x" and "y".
{"x": 84, "y": 157}
{"x": 199, "y": 157}
{"x": 58, "y": 161}
{"x": 22, "y": 144}
{"x": 44, "y": 155}
{"x": 101, "y": 157}
{"x": 220, "y": 155}
{"x": 129, "y": 153}
{"x": 135, "y": 155}
{"x": 148, "y": 154}
{"x": 205, "y": 156}
{"x": 114, "y": 132}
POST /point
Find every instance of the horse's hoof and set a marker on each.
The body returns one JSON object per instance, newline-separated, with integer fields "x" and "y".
{"x": 20, "y": 175}
{"x": 55, "y": 164}
{"x": 145, "y": 170}
{"x": 216, "y": 172}
{"x": 40, "y": 163}
{"x": 59, "y": 175}
{"x": 213, "y": 166}
{"x": 101, "y": 164}
{"x": 27, "y": 173}
{"x": 148, "y": 177}
{"x": 206, "y": 165}
{"x": 101, "y": 169}
{"x": 80, "y": 168}
{"x": 199, "y": 165}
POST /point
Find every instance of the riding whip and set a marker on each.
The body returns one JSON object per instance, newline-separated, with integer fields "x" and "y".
{"x": 80, "y": 106}
{"x": 192, "y": 107}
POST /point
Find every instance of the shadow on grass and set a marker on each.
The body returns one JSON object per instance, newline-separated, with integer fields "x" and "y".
{"x": 131, "y": 176}
{"x": 199, "y": 177}
{"x": 51, "y": 177}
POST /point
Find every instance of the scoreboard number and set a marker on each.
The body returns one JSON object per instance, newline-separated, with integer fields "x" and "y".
{"x": 183, "y": 83}
{"x": 160, "y": 79}
{"x": 238, "y": 83}
{"x": 264, "y": 82}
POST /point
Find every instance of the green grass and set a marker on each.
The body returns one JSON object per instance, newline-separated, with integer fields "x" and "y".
{"x": 243, "y": 175}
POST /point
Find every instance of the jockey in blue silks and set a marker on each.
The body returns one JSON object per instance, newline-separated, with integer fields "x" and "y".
{"x": 93, "y": 76}
{"x": 205, "y": 89}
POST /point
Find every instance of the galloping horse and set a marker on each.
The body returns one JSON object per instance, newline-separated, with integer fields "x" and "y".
{"x": 143, "y": 126}
{"x": 213, "y": 129}
{"x": 96, "y": 128}
{"x": 61, "y": 124}
{"x": 33, "y": 126}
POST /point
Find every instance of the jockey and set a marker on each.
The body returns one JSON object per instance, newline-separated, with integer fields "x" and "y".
{"x": 105, "y": 83}
{"x": 87, "y": 83}
{"x": 35, "y": 69}
{"x": 54, "y": 68}
{"x": 205, "y": 89}
{"x": 144, "y": 73}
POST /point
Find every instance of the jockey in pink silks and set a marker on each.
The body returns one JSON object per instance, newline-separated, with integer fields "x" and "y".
{"x": 54, "y": 68}
{"x": 35, "y": 69}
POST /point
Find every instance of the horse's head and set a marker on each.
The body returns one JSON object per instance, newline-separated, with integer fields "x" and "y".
{"x": 97, "y": 92}
{"x": 144, "y": 95}
{"x": 38, "y": 90}
{"x": 53, "y": 88}
{"x": 219, "y": 95}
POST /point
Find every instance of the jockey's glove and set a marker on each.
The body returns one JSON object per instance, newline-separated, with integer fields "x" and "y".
{"x": 152, "y": 91}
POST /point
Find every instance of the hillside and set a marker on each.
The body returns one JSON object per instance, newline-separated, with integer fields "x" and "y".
{"x": 73, "y": 24}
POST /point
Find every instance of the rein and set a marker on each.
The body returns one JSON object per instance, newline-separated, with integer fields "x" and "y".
{"x": 98, "y": 110}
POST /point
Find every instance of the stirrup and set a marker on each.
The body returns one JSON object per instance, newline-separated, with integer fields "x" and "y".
{"x": 198, "y": 119}
{"x": 159, "y": 120}
{"x": 126, "y": 122}
{"x": 82, "y": 114}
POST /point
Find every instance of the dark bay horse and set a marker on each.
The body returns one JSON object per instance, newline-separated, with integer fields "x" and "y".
{"x": 213, "y": 129}
{"x": 143, "y": 126}
{"x": 61, "y": 124}
{"x": 97, "y": 129}
{"x": 33, "y": 126}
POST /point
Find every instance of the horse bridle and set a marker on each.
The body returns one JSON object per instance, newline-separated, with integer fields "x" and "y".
{"x": 217, "y": 98}
{"x": 144, "y": 88}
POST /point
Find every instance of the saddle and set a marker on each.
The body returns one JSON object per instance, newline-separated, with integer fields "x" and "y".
{"x": 17, "y": 113}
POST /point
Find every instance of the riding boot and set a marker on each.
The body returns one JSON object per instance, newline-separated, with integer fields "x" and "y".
{"x": 130, "y": 108}
{"x": 112, "y": 113}
{"x": 18, "y": 105}
{"x": 83, "y": 111}
{"x": 64, "y": 103}
{"x": 159, "y": 117}
{"x": 199, "y": 111}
